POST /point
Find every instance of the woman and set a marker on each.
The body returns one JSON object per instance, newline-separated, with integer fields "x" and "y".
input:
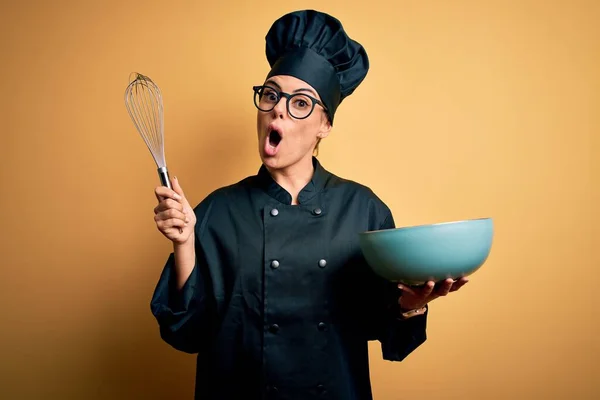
{"x": 266, "y": 282}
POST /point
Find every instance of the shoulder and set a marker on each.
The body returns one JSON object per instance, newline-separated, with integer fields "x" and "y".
{"x": 223, "y": 195}
{"x": 215, "y": 207}
{"x": 380, "y": 214}
{"x": 354, "y": 189}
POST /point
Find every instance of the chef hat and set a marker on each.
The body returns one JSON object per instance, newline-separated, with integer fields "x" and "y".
{"x": 313, "y": 46}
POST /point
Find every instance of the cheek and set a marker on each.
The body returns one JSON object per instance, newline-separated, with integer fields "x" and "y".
{"x": 260, "y": 123}
{"x": 306, "y": 135}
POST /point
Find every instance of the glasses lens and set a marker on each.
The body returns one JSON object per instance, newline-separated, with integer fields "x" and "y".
{"x": 265, "y": 98}
{"x": 301, "y": 106}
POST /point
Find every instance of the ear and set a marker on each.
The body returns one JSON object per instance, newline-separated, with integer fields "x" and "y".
{"x": 325, "y": 128}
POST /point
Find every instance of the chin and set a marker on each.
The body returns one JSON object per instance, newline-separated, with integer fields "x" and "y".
{"x": 271, "y": 162}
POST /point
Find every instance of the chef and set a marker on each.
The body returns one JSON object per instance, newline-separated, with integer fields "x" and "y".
{"x": 266, "y": 282}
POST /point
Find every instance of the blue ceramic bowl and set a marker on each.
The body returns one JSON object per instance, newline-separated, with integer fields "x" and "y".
{"x": 414, "y": 255}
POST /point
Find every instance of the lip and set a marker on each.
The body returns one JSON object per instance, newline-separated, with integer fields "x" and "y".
{"x": 269, "y": 150}
{"x": 274, "y": 127}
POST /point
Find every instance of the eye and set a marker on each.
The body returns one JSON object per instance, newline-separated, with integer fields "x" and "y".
{"x": 269, "y": 94}
{"x": 301, "y": 102}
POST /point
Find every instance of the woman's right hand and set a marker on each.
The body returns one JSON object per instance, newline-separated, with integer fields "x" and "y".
{"x": 174, "y": 216}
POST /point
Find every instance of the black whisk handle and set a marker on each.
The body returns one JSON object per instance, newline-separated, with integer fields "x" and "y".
{"x": 163, "y": 174}
{"x": 164, "y": 177}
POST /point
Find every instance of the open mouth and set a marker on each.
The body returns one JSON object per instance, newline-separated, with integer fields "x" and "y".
{"x": 274, "y": 138}
{"x": 272, "y": 141}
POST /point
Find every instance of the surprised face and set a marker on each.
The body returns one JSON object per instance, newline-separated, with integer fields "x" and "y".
{"x": 284, "y": 141}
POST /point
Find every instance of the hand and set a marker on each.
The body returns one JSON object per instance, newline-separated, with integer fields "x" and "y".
{"x": 174, "y": 216}
{"x": 416, "y": 297}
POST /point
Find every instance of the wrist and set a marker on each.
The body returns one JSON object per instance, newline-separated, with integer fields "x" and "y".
{"x": 405, "y": 314}
{"x": 404, "y": 307}
{"x": 185, "y": 245}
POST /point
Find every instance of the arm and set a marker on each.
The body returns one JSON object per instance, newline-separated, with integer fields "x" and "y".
{"x": 181, "y": 306}
{"x": 181, "y": 300}
{"x": 398, "y": 337}
{"x": 185, "y": 260}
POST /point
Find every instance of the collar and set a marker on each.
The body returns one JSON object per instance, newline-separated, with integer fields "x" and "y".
{"x": 312, "y": 188}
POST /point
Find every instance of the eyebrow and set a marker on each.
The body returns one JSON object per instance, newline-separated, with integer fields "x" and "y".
{"x": 305, "y": 90}
{"x": 295, "y": 91}
{"x": 273, "y": 83}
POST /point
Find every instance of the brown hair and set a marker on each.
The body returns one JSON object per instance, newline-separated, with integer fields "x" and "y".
{"x": 316, "y": 150}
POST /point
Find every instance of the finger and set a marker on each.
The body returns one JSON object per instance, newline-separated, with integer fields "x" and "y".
{"x": 444, "y": 288}
{"x": 167, "y": 205}
{"x": 406, "y": 288}
{"x": 166, "y": 193}
{"x": 177, "y": 188}
{"x": 428, "y": 289}
{"x": 171, "y": 214}
{"x": 171, "y": 223}
{"x": 458, "y": 284}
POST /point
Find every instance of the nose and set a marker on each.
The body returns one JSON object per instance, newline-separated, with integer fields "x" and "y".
{"x": 279, "y": 108}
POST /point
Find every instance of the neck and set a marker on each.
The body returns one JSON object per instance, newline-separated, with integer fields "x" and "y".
{"x": 294, "y": 177}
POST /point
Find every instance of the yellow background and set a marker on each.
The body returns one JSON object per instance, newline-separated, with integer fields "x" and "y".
{"x": 470, "y": 109}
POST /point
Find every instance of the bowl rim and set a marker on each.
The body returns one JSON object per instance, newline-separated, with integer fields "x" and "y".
{"x": 454, "y": 222}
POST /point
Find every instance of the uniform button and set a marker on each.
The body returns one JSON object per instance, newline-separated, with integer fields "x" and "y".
{"x": 322, "y": 326}
{"x": 322, "y": 263}
{"x": 320, "y": 388}
{"x": 274, "y": 212}
{"x": 317, "y": 211}
{"x": 274, "y": 328}
{"x": 275, "y": 264}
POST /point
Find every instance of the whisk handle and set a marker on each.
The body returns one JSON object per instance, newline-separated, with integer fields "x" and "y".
{"x": 163, "y": 174}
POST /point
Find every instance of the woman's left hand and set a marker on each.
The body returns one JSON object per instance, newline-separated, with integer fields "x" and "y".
{"x": 417, "y": 297}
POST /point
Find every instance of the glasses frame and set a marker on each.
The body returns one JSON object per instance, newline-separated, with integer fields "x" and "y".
{"x": 288, "y": 97}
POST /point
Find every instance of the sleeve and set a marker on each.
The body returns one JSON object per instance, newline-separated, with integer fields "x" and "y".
{"x": 398, "y": 337}
{"x": 185, "y": 316}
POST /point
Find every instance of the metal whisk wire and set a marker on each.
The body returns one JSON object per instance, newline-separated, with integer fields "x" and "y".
{"x": 143, "y": 100}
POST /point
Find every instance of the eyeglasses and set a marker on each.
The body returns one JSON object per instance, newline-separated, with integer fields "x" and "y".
{"x": 299, "y": 105}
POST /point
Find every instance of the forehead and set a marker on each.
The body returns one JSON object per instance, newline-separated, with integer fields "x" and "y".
{"x": 289, "y": 83}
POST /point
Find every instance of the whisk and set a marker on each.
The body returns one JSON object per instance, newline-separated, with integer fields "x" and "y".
{"x": 143, "y": 100}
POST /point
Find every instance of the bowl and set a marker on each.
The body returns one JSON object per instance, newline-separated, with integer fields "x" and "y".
{"x": 414, "y": 255}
